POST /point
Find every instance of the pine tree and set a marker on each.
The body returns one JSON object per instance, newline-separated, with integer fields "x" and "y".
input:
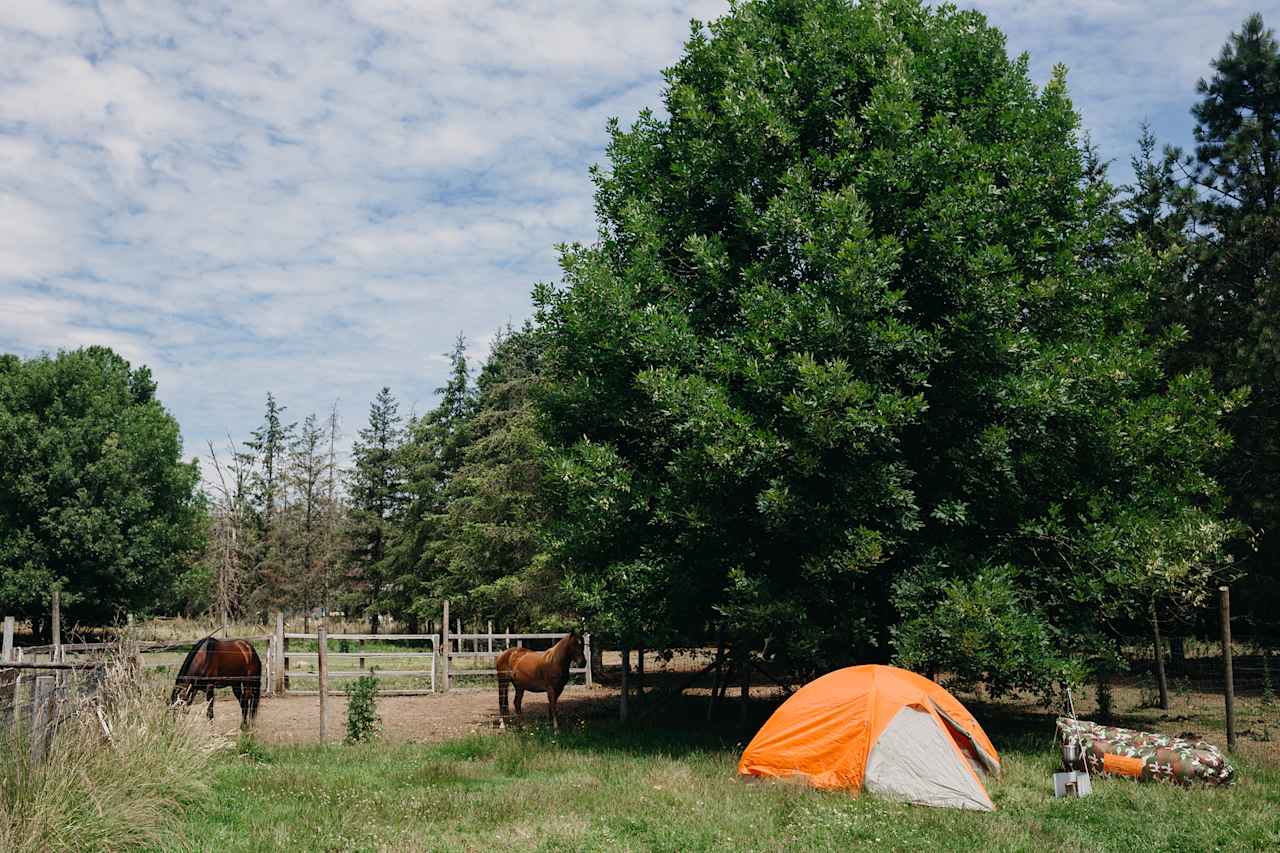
{"x": 1230, "y": 300}
{"x": 489, "y": 550}
{"x": 1156, "y": 207}
{"x": 267, "y": 449}
{"x": 375, "y": 483}
{"x": 429, "y": 458}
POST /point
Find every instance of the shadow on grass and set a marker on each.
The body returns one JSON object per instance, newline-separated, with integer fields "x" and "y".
{"x": 677, "y": 725}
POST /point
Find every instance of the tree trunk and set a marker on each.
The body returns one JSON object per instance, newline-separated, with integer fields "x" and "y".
{"x": 626, "y": 685}
{"x": 715, "y": 684}
{"x": 1161, "y": 682}
{"x": 597, "y": 661}
{"x": 640, "y": 672}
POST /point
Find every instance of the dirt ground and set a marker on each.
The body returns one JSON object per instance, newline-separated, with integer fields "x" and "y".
{"x": 296, "y": 719}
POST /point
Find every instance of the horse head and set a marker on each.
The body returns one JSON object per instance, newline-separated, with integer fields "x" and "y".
{"x": 575, "y": 648}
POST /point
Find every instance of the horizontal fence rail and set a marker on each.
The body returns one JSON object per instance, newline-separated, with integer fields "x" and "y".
{"x": 444, "y": 649}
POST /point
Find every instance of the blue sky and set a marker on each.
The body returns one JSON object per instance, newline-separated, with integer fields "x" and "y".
{"x": 315, "y": 198}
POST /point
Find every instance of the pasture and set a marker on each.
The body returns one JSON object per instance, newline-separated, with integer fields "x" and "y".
{"x": 667, "y": 782}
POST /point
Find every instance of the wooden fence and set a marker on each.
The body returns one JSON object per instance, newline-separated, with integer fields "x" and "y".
{"x": 35, "y": 695}
{"x": 439, "y": 663}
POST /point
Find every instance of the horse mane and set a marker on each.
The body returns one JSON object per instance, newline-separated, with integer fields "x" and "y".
{"x": 184, "y": 670}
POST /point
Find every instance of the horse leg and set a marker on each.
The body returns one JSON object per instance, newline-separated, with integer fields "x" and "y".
{"x": 243, "y": 698}
{"x": 208, "y": 697}
{"x": 255, "y": 693}
{"x": 519, "y": 700}
{"x": 552, "y": 696}
{"x": 504, "y": 684}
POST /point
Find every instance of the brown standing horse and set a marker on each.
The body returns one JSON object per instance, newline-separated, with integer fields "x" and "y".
{"x": 214, "y": 663}
{"x": 539, "y": 672}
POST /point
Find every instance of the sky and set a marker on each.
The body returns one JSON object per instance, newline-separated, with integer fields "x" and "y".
{"x": 316, "y": 197}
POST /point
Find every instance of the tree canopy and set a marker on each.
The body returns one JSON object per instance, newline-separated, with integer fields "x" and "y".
{"x": 855, "y": 349}
{"x": 94, "y": 494}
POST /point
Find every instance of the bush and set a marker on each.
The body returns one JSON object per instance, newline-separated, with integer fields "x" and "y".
{"x": 92, "y": 793}
{"x": 363, "y": 722}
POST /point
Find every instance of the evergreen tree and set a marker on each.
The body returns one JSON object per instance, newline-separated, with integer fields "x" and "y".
{"x": 428, "y": 459}
{"x": 1229, "y": 300}
{"x": 490, "y": 550}
{"x": 1157, "y": 206}
{"x": 305, "y": 579}
{"x": 376, "y": 487}
{"x": 268, "y": 448}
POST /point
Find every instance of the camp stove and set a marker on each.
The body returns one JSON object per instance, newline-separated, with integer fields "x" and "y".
{"x": 1072, "y": 783}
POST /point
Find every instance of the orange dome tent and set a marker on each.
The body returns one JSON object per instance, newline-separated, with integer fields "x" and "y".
{"x": 895, "y": 733}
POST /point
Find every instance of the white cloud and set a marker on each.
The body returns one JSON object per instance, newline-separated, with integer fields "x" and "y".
{"x": 316, "y": 198}
{"x": 1126, "y": 60}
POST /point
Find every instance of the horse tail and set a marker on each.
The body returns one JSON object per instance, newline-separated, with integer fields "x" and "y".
{"x": 253, "y": 680}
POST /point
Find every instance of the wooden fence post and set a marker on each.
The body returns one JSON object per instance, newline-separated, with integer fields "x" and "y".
{"x": 8, "y": 699}
{"x": 277, "y": 673}
{"x": 6, "y": 651}
{"x": 41, "y": 698}
{"x": 1228, "y": 685}
{"x": 444, "y": 647}
{"x": 586, "y": 653}
{"x": 490, "y": 636}
{"x": 322, "y": 656}
{"x": 17, "y": 691}
{"x": 1161, "y": 681}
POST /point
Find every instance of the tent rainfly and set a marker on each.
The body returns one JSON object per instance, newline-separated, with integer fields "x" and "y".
{"x": 893, "y": 732}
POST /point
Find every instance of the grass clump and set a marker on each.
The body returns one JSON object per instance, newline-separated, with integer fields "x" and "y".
{"x": 98, "y": 793}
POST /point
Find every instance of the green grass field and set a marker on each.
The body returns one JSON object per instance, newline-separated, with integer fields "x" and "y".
{"x": 604, "y": 786}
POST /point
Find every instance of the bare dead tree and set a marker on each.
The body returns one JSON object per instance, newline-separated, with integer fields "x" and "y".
{"x": 230, "y": 535}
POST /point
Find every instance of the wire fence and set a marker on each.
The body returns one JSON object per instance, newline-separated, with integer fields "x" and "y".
{"x": 35, "y": 700}
{"x": 1196, "y": 684}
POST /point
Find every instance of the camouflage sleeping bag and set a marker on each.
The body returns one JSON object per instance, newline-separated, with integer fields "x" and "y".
{"x": 1142, "y": 755}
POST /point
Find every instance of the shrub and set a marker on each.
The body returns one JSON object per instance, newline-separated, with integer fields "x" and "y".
{"x": 363, "y": 722}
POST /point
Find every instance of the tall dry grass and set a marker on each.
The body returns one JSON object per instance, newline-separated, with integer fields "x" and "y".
{"x": 100, "y": 793}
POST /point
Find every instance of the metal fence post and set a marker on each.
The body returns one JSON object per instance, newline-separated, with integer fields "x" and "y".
{"x": 444, "y": 648}
{"x": 586, "y": 650}
{"x": 322, "y": 643}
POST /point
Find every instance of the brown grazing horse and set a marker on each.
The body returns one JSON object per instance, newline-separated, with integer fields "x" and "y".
{"x": 539, "y": 672}
{"x": 214, "y": 663}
